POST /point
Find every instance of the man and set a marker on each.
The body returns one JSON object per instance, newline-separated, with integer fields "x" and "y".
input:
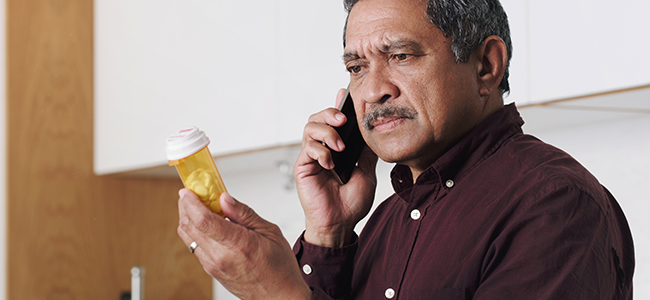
{"x": 480, "y": 210}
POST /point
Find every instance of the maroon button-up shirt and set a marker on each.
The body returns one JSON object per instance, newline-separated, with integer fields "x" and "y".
{"x": 501, "y": 215}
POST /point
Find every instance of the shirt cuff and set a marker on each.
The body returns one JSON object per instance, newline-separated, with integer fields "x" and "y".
{"x": 326, "y": 269}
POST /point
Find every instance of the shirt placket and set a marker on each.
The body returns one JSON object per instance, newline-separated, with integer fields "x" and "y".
{"x": 411, "y": 219}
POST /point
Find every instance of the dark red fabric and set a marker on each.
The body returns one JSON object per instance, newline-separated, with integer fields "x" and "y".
{"x": 502, "y": 216}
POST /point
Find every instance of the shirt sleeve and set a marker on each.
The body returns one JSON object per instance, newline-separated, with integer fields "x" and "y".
{"x": 558, "y": 247}
{"x": 327, "y": 271}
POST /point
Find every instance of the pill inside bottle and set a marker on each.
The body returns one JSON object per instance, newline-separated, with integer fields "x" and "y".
{"x": 187, "y": 150}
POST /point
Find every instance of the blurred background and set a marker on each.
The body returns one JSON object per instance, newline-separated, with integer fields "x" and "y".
{"x": 92, "y": 89}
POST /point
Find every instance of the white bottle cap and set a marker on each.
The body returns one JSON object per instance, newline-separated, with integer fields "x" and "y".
{"x": 185, "y": 143}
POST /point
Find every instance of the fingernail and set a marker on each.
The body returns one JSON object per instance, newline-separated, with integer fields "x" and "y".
{"x": 230, "y": 199}
{"x": 340, "y": 116}
{"x": 331, "y": 165}
{"x": 185, "y": 221}
{"x": 340, "y": 145}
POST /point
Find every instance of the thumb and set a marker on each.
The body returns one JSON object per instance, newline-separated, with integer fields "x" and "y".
{"x": 239, "y": 213}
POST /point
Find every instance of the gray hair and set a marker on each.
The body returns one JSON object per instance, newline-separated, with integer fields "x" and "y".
{"x": 469, "y": 23}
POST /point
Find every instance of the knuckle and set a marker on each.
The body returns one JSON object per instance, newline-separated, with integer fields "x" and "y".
{"x": 275, "y": 229}
{"x": 322, "y": 115}
{"x": 318, "y": 152}
{"x": 306, "y": 132}
{"x": 247, "y": 213}
{"x": 313, "y": 117}
{"x": 204, "y": 223}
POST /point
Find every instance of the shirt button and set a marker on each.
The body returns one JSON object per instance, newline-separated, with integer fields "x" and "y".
{"x": 307, "y": 269}
{"x": 415, "y": 214}
{"x": 390, "y": 293}
{"x": 449, "y": 183}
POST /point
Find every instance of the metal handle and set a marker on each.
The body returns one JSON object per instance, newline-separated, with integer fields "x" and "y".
{"x": 137, "y": 283}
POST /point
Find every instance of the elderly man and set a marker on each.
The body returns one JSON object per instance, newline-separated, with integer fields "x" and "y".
{"x": 480, "y": 210}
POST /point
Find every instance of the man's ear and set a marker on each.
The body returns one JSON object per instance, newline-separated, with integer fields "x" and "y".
{"x": 492, "y": 57}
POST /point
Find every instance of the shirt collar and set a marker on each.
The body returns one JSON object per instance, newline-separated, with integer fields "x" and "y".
{"x": 480, "y": 142}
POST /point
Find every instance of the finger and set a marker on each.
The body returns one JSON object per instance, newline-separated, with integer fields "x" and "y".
{"x": 240, "y": 213}
{"x": 183, "y": 219}
{"x": 186, "y": 230}
{"x": 204, "y": 251}
{"x": 323, "y": 133}
{"x": 185, "y": 237}
{"x": 181, "y": 210}
{"x": 190, "y": 203}
{"x": 330, "y": 116}
{"x": 311, "y": 152}
{"x": 199, "y": 220}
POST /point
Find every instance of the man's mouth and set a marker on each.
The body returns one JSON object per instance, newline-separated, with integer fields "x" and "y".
{"x": 387, "y": 117}
{"x": 384, "y": 122}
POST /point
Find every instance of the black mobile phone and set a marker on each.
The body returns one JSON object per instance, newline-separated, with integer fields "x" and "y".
{"x": 345, "y": 161}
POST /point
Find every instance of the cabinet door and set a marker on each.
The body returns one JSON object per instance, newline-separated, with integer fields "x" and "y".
{"x": 161, "y": 66}
{"x": 311, "y": 66}
{"x": 582, "y": 47}
{"x": 517, "y": 11}
{"x": 248, "y": 73}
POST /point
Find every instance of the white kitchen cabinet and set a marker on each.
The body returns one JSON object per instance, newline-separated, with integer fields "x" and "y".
{"x": 572, "y": 48}
{"x": 248, "y": 73}
{"x": 582, "y": 47}
{"x": 517, "y": 11}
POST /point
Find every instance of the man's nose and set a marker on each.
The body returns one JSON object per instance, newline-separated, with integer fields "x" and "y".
{"x": 379, "y": 87}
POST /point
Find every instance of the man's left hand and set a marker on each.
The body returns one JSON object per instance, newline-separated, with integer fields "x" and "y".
{"x": 247, "y": 254}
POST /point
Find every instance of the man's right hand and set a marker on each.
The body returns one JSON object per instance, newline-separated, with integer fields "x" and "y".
{"x": 331, "y": 210}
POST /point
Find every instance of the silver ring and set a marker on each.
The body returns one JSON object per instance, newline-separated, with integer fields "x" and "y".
{"x": 193, "y": 246}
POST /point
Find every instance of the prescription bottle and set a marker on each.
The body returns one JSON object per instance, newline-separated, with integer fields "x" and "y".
{"x": 187, "y": 150}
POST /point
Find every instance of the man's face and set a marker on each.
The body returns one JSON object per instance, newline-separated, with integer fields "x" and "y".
{"x": 413, "y": 100}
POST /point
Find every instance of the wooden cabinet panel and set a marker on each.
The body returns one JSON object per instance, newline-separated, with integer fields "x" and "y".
{"x": 71, "y": 234}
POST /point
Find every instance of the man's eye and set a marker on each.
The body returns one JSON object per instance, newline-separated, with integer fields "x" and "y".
{"x": 354, "y": 69}
{"x": 401, "y": 57}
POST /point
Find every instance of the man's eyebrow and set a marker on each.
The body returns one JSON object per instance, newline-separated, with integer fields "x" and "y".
{"x": 396, "y": 46}
{"x": 349, "y": 56}
{"x": 403, "y": 45}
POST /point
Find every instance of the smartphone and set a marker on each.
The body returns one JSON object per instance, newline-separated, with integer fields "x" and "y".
{"x": 345, "y": 161}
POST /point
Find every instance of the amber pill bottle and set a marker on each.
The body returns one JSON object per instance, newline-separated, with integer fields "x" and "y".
{"x": 187, "y": 150}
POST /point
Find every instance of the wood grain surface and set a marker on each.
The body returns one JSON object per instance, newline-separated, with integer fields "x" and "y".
{"x": 71, "y": 234}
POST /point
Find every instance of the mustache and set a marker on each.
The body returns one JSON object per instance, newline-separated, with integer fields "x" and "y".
{"x": 386, "y": 111}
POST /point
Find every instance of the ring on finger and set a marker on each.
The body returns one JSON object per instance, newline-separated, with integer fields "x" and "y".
{"x": 193, "y": 247}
